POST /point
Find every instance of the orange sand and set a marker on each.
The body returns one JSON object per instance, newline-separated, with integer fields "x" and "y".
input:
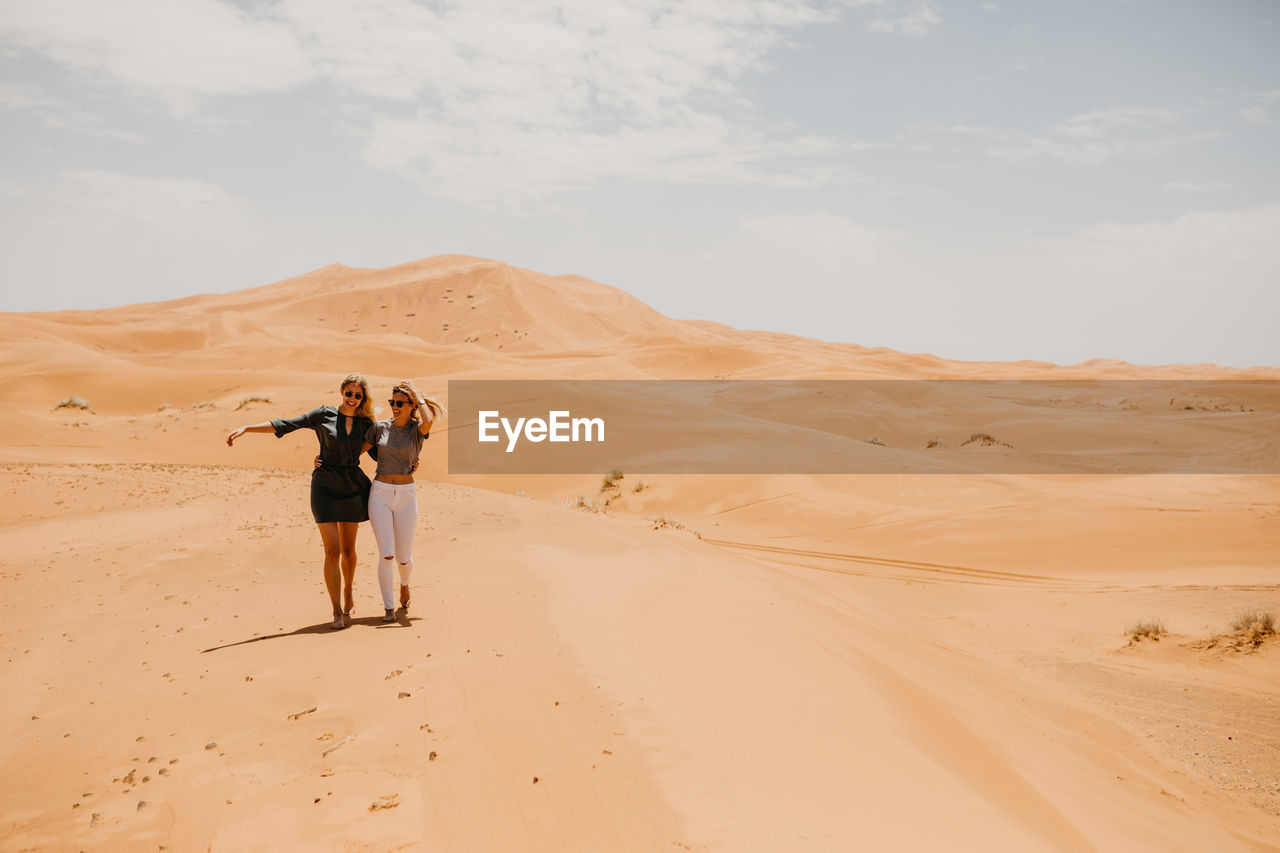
{"x": 790, "y": 663}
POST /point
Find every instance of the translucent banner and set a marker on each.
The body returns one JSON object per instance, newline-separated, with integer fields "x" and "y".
{"x": 864, "y": 426}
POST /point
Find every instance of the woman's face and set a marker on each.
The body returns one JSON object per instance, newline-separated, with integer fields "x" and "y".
{"x": 400, "y": 404}
{"x": 352, "y": 395}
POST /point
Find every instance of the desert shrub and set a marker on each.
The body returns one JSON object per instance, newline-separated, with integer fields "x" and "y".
{"x": 205, "y": 404}
{"x": 984, "y": 439}
{"x": 879, "y": 442}
{"x": 934, "y": 442}
{"x": 1254, "y": 625}
{"x": 639, "y": 487}
{"x": 611, "y": 479}
{"x": 72, "y": 403}
{"x": 584, "y": 503}
{"x": 254, "y": 399}
{"x": 1151, "y": 629}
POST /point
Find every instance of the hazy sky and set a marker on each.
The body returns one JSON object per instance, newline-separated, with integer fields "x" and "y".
{"x": 1052, "y": 180}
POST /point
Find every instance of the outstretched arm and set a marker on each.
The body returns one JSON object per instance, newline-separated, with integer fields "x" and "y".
{"x": 265, "y": 426}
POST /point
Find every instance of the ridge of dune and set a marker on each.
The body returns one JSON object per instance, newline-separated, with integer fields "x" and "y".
{"x": 459, "y": 300}
{"x": 459, "y": 314}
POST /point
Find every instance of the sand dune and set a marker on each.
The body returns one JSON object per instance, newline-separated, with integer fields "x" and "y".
{"x": 704, "y": 663}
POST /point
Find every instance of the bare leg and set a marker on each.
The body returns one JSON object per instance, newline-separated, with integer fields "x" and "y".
{"x": 332, "y": 576}
{"x": 347, "y": 531}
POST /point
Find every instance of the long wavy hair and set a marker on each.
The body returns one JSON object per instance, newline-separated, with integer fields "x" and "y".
{"x": 365, "y": 409}
{"x": 433, "y": 405}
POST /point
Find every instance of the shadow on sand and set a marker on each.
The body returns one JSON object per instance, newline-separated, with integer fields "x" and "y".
{"x": 402, "y": 621}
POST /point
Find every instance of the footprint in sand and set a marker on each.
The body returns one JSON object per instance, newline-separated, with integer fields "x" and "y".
{"x": 386, "y": 801}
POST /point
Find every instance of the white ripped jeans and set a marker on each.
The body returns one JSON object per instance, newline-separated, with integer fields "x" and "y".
{"x": 393, "y": 512}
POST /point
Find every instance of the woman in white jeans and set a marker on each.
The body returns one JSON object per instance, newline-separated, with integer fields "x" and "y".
{"x": 393, "y": 501}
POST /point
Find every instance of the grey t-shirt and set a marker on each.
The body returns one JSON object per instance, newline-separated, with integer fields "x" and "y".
{"x": 397, "y": 447}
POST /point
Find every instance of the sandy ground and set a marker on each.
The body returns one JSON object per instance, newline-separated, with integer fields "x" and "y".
{"x": 705, "y": 663}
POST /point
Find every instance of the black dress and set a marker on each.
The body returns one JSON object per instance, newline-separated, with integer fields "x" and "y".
{"x": 339, "y": 489}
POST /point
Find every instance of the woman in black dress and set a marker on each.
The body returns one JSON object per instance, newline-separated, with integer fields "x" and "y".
{"x": 339, "y": 489}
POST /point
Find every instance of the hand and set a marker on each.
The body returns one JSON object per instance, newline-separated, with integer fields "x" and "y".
{"x": 319, "y": 463}
{"x": 235, "y": 433}
{"x": 413, "y": 391}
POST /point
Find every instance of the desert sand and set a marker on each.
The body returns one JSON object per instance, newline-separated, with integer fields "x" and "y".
{"x": 729, "y": 663}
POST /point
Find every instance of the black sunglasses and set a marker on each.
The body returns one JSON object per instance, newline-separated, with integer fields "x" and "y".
{"x": 355, "y": 394}
{"x": 399, "y": 403}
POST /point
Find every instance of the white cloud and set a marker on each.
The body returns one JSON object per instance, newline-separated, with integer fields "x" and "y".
{"x": 822, "y": 241}
{"x": 478, "y": 100}
{"x": 164, "y": 207}
{"x": 175, "y": 50}
{"x": 517, "y": 101}
{"x": 1199, "y": 287}
{"x": 636, "y": 55}
{"x": 1100, "y": 124}
{"x": 494, "y": 161}
{"x": 922, "y": 19}
{"x": 1083, "y": 139}
{"x": 57, "y": 113}
{"x": 1260, "y": 109}
{"x": 16, "y": 97}
{"x": 89, "y": 238}
{"x": 1213, "y": 249}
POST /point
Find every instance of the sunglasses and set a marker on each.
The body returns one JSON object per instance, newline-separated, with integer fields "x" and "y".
{"x": 353, "y": 395}
{"x": 399, "y": 403}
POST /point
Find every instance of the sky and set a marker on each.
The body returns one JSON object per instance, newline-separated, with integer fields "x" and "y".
{"x": 991, "y": 180}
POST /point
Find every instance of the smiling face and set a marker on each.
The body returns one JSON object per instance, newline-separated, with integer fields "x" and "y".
{"x": 401, "y": 407}
{"x": 352, "y": 396}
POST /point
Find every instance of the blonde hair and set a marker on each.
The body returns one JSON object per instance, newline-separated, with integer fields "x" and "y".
{"x": 433, "y": 405}
{"x": 365, "y": 409}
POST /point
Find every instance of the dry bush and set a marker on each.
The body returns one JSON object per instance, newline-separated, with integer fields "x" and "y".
{"x": 205, "y": 404}
{"x": 1253, "y": 626}
{"x": 1248, "y": 631}
{"x": 984, "y": 439}
{"x": 934, "y": 442}
{"x": 611, "y": 479}
{"x": 584, "y": 503}
{"x": 73, "y": 403}
{"x": 254, "y": 399}
{"x": 1150, "y": 629}
{"x": 879, "y": 442}
{"x": 640, "y": 484}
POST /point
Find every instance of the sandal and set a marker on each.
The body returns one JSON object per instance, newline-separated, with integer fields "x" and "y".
{"x": 389, "y": 616}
